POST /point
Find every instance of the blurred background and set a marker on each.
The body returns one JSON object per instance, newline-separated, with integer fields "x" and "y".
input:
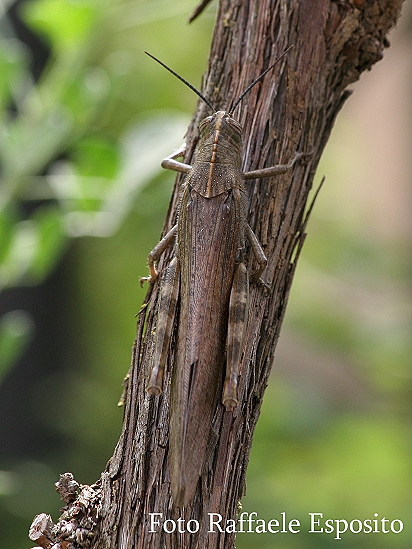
{"x": 85, "y": 118}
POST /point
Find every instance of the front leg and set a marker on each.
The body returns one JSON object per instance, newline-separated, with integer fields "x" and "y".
{"x": 170, "y": 162}
{"x": 156, "y": 253}
{"x": 274, "y": 170}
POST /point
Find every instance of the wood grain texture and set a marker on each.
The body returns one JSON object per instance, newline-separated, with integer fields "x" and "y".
{"x": 293, "y": 109}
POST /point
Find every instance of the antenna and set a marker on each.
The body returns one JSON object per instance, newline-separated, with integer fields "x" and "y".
{"x": 197, "y": 92}
{"x": 247, "y": 90}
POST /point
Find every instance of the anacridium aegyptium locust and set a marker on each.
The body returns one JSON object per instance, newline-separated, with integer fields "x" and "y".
{"x": 209, "y": 279}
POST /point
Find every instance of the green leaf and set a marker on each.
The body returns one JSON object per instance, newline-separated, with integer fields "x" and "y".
{"x": 22, "y": 242}
{"x": 51, "y": 239}
{"x": 16, "y": 328}
{"x": 32, "y": 246}
{"x": 13, "y": 63}
{"x": 6, "y": 232}
{"x": 95, "y": 157}
{"x": 66, "y": 23}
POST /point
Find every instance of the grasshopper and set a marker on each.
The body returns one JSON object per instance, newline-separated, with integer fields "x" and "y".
{"x": 209, "y": 280}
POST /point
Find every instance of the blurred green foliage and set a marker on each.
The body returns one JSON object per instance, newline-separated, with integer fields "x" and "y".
{"x": 75, "y": 149}
{"x": 79, "y": 156}
{"x": 334, "y": 433}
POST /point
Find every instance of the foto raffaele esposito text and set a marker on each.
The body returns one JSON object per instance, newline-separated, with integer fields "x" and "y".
{"x": 250, "y": 523}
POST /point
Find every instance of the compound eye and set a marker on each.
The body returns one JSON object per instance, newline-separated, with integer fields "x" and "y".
{"x": 234, "y": 123}
{"x": 205, "y": 122}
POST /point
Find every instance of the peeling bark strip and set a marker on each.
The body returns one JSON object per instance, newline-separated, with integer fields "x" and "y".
{"x": 334, "y": 42}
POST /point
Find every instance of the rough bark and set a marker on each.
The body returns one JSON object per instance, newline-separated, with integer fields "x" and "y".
{"x": 293, "y": 109}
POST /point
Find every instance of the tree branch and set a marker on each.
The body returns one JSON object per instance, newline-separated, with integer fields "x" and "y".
{"x": 292, "y": 109}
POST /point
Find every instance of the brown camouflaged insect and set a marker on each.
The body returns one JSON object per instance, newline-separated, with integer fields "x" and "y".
{"x": 209, "y": 279}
